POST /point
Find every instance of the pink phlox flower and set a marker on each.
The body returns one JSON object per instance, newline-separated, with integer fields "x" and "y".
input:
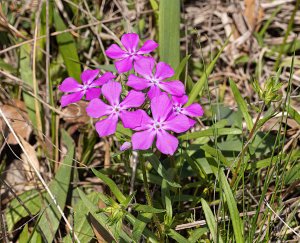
{"x": 116, "y": 109}
{"x": 125, "y": 146}
{"x": 193, "y": 110}
{"x": 130, "y": 53}
{"x": 162, "y": 121}
{"x": 155, "y": 81}
{"x": 89, "y": 87}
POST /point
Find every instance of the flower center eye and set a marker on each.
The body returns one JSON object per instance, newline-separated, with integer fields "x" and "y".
{"x": 85, "y": 87}
{"x": 155, "y": 81}
{"x": 177, "y": 109}
{"x": 117, "y": 108}
{"x": 157, "y": 125}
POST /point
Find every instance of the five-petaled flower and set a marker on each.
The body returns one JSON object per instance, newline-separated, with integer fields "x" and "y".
{"x": 163, "y": 121}
{"x": 126, "y": 57}
{"x": 130, "y": 119}
{"x": 155, "y": 81}
{"x": 89, "y": 87}
{"x": 193, "y": 110}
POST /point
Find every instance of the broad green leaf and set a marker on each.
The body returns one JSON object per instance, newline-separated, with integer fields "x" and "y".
{"x": 15, "y": 211}
{"x": 169, "y": 31}
{"x": 237, "y": 223}
{"x": 294, "y": 114}
{"x": 24, "y": 234}
{"x": 82, "y": 226}
{"x": 59, "y": 186}
{"x": 7, "y": 67}
{"x": 241, "y": 104}
{"x": 211, "y": 222}
{"x": 211, "y": 132}
{"x": 217, "y": 154}
{"x": 147, "y": 209}
{"x": 197, "y": 89}
{"x": 157, "y": 165}
{"x": 67, "y": 48}
{"x": 111, "y": 184}
{"x": 180, "y": 68}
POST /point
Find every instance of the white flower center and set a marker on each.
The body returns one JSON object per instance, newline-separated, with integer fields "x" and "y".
{"x": 154, "y": 81}
{"x": 116, "y": 109}
{"x": 177, "y": 109}
{"x": 157, "y": 125}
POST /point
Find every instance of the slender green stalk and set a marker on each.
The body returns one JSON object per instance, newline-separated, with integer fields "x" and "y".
{"x": 148, "y": 198}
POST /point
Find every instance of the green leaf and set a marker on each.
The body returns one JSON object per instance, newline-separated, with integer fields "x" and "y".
{"x": 211, "y": 222}
{"x": 197, "y": 89}
{"x": 157, "y": 165}
{"x": 180, "y": 68}
{"x": 147, "y": 209}
{"x": 233, "y": 210}
{"x": 292, "y": 175}
{"x": 169, "y": 31}
{"x": 15, "y": 211}
{"x": 7, "y": 67}
{"x": 24, "y": 234}
{"x": 166, "y": 199}
{"x": 111, "y": 184}
{"x": 176, "y": 236}
{"x": 67, "y": 48}
{"x": 210, "y": 132}
{"x": 196, "y": 234}
{"x": 82, "y": 226}
{"x": 293, "y": 113}
{"x": 59, "y": 186}
{"x": 241, "y": 104}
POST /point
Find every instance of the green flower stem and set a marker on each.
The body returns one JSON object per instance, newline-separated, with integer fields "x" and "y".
{"x": 148, "y": 197}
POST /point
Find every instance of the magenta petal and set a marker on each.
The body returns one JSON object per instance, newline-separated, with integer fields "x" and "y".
{"x": 92, "y": 93}
{"x": 161, "y": 106}
{"x": 71, "y": 98}
{"x": 148, "y": 47}
{"x": 137, "y": 83}
{"x": 193, "y": 110}
{"x": 97, "y": 108}
{"x": 133, "y": 99}
{"x": 70, "y": 85}
{"x": 154, "y": 91}
{"x": 180, "y": 100}
{"x": 144, "y": 67}
{"x": 125, "y": 146}
{"x": 112, "y": 91}
{"x": 88, "y": 76}
{"x": 130, "y": 41}
{"x": 179, "y": 123}
{"x": 142, "y": 140}
{"x": 145, "y": 123}
{"x": 192, "y": 122}
{"x": 103, "y": 79}
{"x": 163, "y": 71}
{"x": 166, "y": 143}
{"x": 131, "y": 119}
{"x": 115, "y": 52}
{"x": 124, "y": 65}
{"x": 107, "y": 126}
{"x": 173, "y": 87}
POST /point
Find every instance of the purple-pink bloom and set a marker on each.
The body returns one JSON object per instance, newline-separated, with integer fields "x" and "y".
{"x": 130, "y": 119}
{"x": 89, "y": 86}
{"x": 155, "y": 81}
{"x": 193, "y": 110}
{"x": 125, "y": 146}
{"x": 162, "y": 121}
{"x": 131, "y": 53}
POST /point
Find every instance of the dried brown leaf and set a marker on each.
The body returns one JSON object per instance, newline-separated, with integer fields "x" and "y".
{"x": 18, "y": 118}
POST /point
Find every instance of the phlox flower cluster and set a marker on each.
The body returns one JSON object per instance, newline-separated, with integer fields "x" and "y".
{"x": 151, "y": 105}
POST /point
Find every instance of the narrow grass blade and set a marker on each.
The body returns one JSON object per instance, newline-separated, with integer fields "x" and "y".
{"x": 211, "y": 132}
{"x": 111, "y": 184}
{"x": 59, "y": 186}
{"x": 178, "y": 237}
{"x": 157, "y": 165}
{"x": 67, "y": 48}
{"x": 237, "y": 223}
{"x": 211, "y": 221}
{"x": 169, "y": 31}
{"x": 166, "y": 199}
{"x": 197, "y": 89}
{"x": 180, "y": 68}
{"x": 241, "y": 104}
